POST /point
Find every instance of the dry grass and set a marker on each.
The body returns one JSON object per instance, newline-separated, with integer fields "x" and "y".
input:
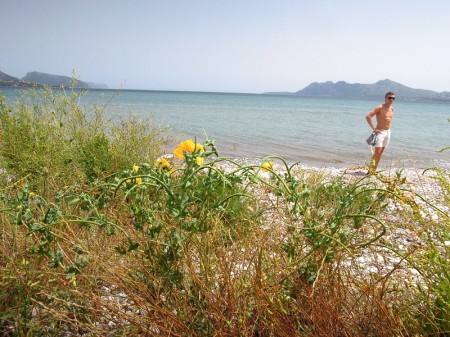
{"x": 224, "y": 249}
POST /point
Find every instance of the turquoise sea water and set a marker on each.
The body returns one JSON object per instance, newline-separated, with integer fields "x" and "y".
{"x": 312, "y": 131}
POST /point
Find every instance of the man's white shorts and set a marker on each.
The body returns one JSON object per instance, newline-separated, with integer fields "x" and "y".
{"x": 383, "y": 138}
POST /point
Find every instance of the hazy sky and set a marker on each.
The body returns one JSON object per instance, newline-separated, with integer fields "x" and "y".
{"x": 230, "y": 45}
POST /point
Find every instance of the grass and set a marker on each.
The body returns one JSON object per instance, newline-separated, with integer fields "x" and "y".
{"x": 98, "y": 238}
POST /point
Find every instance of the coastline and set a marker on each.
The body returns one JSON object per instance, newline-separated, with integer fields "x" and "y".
{"x": 423, "y": 182}
{"x": 388, "y": 166}
{"x": 323, "y": 158}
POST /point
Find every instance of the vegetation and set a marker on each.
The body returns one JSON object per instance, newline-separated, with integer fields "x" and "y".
{"x": 101, "y": 235}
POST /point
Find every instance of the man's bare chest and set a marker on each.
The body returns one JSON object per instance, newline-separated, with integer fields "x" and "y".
{"x": 386, "y": 114}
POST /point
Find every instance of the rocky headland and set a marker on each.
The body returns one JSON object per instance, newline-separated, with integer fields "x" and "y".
{"x": 35, "y": 78}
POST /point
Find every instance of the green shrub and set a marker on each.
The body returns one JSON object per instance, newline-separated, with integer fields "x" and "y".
{"x": 49, "y": 138}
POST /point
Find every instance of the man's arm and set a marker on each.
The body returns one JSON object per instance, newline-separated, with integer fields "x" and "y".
{"x": 369, "y": 118}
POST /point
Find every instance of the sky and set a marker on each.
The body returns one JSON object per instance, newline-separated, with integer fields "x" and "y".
{"x": 248, "y": 46}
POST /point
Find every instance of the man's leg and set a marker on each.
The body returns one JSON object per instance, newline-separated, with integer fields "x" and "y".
{"x": 376, "y": 158}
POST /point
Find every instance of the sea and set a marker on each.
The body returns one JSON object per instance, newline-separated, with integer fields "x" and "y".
{"x": 311, "y": 131}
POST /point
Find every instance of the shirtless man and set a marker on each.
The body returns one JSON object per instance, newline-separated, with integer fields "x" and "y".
{"x": 384, "y": 113}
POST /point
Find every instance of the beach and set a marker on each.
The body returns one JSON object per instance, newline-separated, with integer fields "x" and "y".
{"x": 424, "y": 182}
{"x": 142, "y": 238}
{"x": 423, "y": 188}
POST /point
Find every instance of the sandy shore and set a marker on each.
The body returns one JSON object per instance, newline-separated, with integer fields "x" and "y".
{"x": 423, "y": 184}
{"x": 401, "y": 231}
{"x": 421, "y": 180}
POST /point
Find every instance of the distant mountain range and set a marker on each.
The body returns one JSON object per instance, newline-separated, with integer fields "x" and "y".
{"x": 339, "y": 89}
{"x": 377, "y": 90}
{"x": 36, "y": 78}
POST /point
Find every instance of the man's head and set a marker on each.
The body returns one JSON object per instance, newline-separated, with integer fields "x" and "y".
{"x": 389, "y": 97}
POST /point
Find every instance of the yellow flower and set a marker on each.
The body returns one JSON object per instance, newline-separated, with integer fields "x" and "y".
{"x": 138, "y": 180}
{"x": 266, "y": 166}
{"x": 191, "y": 147}
{"x": 164, "y": 165}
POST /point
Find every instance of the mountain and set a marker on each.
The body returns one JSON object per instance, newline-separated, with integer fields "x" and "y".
{"x": 36, "y": 78}
{"x": 10, "y": 81}
{"x": 57, "y": 81}
{"x": 377, "y": 90}
{"x": 6, "y": 77}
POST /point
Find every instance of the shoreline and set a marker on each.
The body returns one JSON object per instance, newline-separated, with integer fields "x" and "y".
{"x": 321, "y": 156}
{"x": 386, "y": 166}
{"x": 423, "y": 182}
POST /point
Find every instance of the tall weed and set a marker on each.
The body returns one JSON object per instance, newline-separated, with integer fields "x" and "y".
{"x": 50, "y": 138}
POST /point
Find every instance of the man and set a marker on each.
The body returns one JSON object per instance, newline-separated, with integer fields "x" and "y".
{"x": 384, "y": 114}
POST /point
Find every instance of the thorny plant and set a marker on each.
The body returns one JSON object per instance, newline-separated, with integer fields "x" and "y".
{"x": 161, "y": 212}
